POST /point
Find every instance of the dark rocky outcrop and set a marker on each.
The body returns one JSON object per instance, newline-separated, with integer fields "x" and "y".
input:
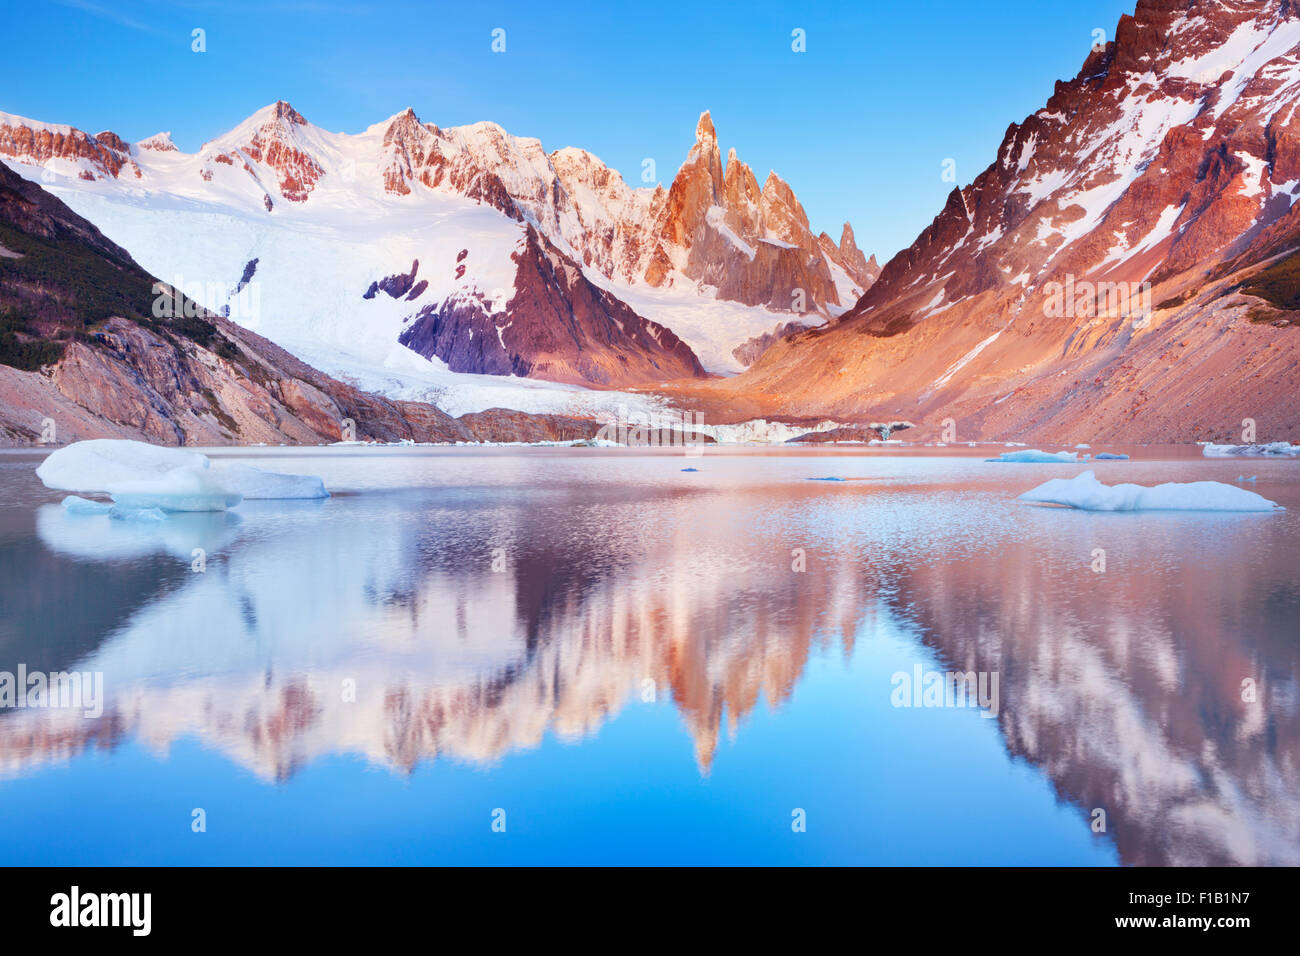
{"x": 557, "y": 325}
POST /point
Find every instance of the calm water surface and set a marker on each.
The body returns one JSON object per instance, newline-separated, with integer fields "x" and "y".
{"x": 623, "y": 662}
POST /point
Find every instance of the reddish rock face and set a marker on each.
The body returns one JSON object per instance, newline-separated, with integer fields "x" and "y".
{"x": 1172, "y": 159}
{"x": 558, "y": 325}
{"x": 274, "y": 144}
{"x": 106, "y": 154}
{"x": 569, "y": 194}
{"x": 753, "y": 245}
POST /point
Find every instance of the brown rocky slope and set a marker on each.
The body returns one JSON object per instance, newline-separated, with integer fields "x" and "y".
{"x": 1094, "y": 281}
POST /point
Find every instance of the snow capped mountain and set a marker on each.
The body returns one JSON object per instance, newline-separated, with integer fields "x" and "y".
{"x": 520, "y": 261}
{"x": 1092, "y": 269}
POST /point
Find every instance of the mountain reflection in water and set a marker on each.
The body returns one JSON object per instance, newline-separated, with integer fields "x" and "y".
{"x": 468, "y": 621}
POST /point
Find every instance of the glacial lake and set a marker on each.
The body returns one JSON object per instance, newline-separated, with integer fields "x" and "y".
{"x": 559, "y": 655}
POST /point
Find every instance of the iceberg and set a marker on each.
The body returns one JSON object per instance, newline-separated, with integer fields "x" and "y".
{"x": 1110, "y": 456}
{"x": 1273, "y": 449}
{"x": 1088, "y": 494}
{"x": 1034, "y": 456}
{"x": 140, "y": 475}
{"x": 95, "y": 464}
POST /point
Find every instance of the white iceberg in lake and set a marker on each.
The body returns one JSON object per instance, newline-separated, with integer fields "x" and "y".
{"x": 1273, "y": 449}
{"x": 142, "y": 476}
{"x": 94, "y": 465}
{"x": 1034, "y": 456}
{"x": 1089, "y": 494}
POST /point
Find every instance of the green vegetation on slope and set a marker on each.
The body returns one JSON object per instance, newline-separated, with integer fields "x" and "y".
{"x": 60, "y": 288}
{"x": 1278, "y": 284}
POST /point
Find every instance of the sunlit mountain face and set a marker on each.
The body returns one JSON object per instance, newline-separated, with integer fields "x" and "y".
{"x": 444, "y": 611}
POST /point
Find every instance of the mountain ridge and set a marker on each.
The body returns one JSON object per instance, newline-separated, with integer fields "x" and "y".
{"x": 666, "y": 247}
{"x": 1167, "y": 164}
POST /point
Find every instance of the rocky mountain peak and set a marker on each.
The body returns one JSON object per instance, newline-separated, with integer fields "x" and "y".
{"x": 282, "y": 111}
{"x": 270, "y": 140}
{"x": 159, "y": 142}
{"x": 705, "y": 134}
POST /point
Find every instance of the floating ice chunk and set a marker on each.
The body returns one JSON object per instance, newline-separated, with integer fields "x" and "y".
{"x": 1083, "y": 445}
{"x": 254, "y": 483}
{"x": 94, "y": 465}
{"x": 690, "y": 469}
{"x": 831, "y": 478}
{"x": 1089, "y": 494}
{"x": 177, "y": 479}
{"x": 84, "y": 506}
{"x": 1110, "y": 456}
{"x": 181, "y": 489}
{"x": 1274, "y": 449}
{"x": 1244, "y": 478}
{"x": 1034, "y": 456}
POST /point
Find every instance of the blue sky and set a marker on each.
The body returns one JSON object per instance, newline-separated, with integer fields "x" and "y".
{"x": 859, "y": 124}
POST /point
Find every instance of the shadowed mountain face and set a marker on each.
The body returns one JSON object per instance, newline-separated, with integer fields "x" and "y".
{"x": 475, "y": 618}
{"x": 557, "y": 325}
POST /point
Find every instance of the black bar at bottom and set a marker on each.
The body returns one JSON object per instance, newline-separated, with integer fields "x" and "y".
{"x": 307, "y": 904}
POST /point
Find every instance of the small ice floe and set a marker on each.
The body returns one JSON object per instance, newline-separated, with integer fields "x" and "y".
{"x": 84, "y": 506}
{"x": 1244, "y": 478}
{"x": 141, "y": 476}
{"x": 1034, "y": 456}
{"x": 1083, "y": 445}
{"x": 1109, "y": 456}
{"x": 1273, "y": 449}
{"x": 690, "y": 469}
{"x": 1088, "y": 494}
{"x": 829, "y": 478}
